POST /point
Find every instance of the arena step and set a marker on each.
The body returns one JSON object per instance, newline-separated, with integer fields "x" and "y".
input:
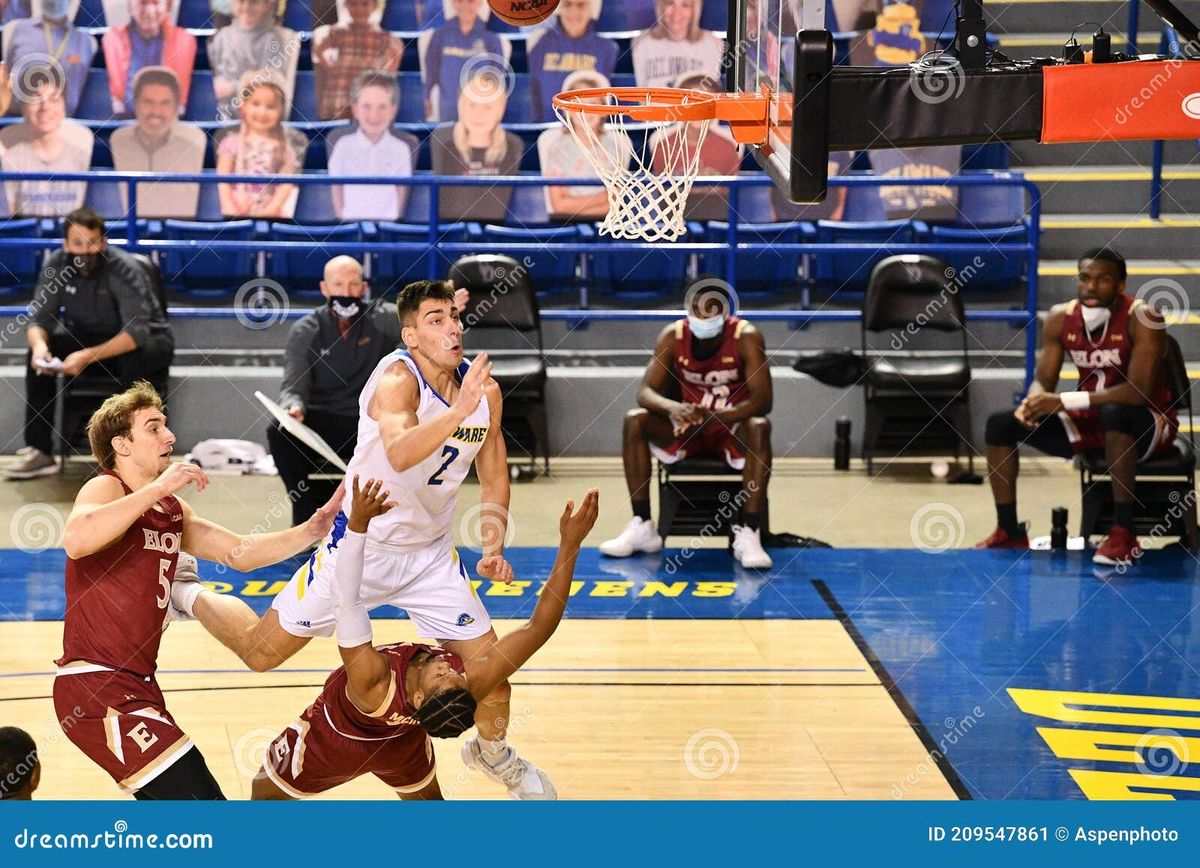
{"x": 1065, "y": 236}
{"x": 1115, "y": 189}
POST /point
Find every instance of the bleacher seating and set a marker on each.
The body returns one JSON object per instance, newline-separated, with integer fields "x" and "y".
{"x": 847, "y": 274}
{"x": 986, "y": 214}
{"x": 204, "y": 271}
{"x": 553, "y": 274}
{"x": 396, "y": 269}
{"x": 300, "y": 271}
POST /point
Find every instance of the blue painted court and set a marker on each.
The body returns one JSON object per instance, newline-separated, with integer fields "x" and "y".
{"x": 1028, "y": 675}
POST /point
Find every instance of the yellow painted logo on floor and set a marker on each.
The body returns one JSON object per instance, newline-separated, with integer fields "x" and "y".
{"x": 259, "y": 588}
{"x": 1153, "y": 745}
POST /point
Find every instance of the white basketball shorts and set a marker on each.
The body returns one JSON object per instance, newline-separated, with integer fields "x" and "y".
{"x": 429, "y": 582}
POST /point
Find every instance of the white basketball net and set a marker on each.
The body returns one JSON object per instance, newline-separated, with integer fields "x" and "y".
{"x": 646, "y": 198}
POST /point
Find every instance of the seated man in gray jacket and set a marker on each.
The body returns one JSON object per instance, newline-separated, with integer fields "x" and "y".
{"x": 330, "y": 355}
{"x": 94, "y": 309}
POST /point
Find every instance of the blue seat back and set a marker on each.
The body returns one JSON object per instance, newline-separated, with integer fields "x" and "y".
{"x": 552, "y": 272}
{"x": 394, "y": 270}
{"x": 200, "y": 267}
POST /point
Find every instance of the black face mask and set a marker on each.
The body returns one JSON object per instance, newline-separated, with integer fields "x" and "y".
{"x": 87, "y": 264}
{"x": 347, "y": 307}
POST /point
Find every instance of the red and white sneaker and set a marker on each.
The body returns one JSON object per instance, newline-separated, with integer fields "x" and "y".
{"x": 1002, "y": 539}
{"x": 1120, "y": 547}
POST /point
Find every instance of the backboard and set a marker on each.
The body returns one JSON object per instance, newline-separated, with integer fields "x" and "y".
{"x": 782, "y": 47}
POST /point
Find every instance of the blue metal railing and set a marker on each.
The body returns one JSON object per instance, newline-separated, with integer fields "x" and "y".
{"x": 1025, "y": 317}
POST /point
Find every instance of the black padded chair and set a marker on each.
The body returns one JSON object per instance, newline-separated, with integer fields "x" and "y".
{"x": 700, "y": 497}
{"x": 1165, "y": 495}
{"x": 503, "y": 318}
{"x": 81, "y": 396}
{"x": 917, "y": 395}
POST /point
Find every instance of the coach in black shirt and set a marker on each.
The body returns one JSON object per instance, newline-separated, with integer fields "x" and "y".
{"x": 331, "y": 354}
{"x": 93, "y": 309}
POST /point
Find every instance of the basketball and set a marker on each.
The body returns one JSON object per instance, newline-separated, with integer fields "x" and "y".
{"x": 523, "y": 13}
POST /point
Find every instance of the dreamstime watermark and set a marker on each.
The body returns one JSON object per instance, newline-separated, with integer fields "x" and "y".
{"x": 278, "y": 57}
{"x": 35, "y": 72}
{"x": 502, "y": 280}
{"x": 485, "y": 78}
{"x": 36, "y": 527}
{"x": 729, "y": 509}
{"x": 709, "y": 297}
{"x": 1189, "y": 106}
{"x": 516, "y": 723}
{"x": 261, "y": 303}
{"x": 955, "y": 282}
{"x": 1163, "y": 753}
{"x": 280, "y": 509}
{"x": 485, "y": 526}
{"x": 936, "y": 528}
{"x": 1181, "y": 507}
{"x": 936, "y": 78}
{"x": 710, "y": 754}
{"x": 1162, "y": 296}
{"x": 55, "y": 280}
{"x": 250, "y": 751}
{"x": 953, "y": 731}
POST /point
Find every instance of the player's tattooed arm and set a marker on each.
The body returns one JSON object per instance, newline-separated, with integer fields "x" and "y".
{"x": 367, "y": 673}
{"x": 486, "y": 672}
{"x": 494, "y": 492}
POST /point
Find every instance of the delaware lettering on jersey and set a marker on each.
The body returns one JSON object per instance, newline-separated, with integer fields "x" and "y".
{"x": 472, "y": 434}
{"x": 428, "y": 490}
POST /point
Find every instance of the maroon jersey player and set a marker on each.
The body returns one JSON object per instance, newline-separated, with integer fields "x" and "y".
{"x": 123, "y": 541}
{"x": 706, "y": 394}
{"x": 1121, "y": 406}
{"x": 376, "y": 713}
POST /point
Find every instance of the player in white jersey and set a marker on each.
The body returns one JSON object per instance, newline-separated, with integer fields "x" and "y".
{"x": 425, "y": 416}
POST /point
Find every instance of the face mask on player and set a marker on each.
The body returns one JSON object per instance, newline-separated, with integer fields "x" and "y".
{"x": 703, "y": 329}
{"x": 347, "y": 306}
{"x": 1095, "y": 317}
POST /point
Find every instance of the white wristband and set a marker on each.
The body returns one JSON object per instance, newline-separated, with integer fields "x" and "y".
{"x": 1076, "y": 400}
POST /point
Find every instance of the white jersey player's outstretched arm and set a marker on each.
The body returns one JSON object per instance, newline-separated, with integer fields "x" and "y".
{"x": 367, "y": 673}
{"x": 491, "y": 669}
{"x": 406, "y": 440}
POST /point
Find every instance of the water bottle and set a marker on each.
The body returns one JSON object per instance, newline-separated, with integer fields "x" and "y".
{"x": 841, "y": 444}
{"x": 1058, "y": 527}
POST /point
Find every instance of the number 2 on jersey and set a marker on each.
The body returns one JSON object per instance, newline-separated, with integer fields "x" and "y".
{"x": 450, "y": 452}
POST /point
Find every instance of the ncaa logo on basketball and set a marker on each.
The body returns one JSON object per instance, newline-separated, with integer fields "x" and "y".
{"x": 1191, "y": 106}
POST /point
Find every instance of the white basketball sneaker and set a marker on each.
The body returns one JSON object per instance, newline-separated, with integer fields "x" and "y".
{"x": 185, "y": 588}
{"x": 522, "y": 779}
{"x": 748, "y": 550}
{"x": 639, "y": 535}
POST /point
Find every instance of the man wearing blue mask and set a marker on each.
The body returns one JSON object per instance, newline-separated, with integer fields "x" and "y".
{"x": 706, "y": 394}
{"x": 1121, "y": 405}
{"x": 49, "y": 40}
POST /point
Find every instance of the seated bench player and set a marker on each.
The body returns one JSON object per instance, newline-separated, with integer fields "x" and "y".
{"x": 1121, "y": 406}
{"x": 706, "y": 393}
{"x": 377, "y": 712}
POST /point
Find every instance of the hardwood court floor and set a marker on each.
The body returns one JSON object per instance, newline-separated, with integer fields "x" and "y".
{"x": 624, "y": 709}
